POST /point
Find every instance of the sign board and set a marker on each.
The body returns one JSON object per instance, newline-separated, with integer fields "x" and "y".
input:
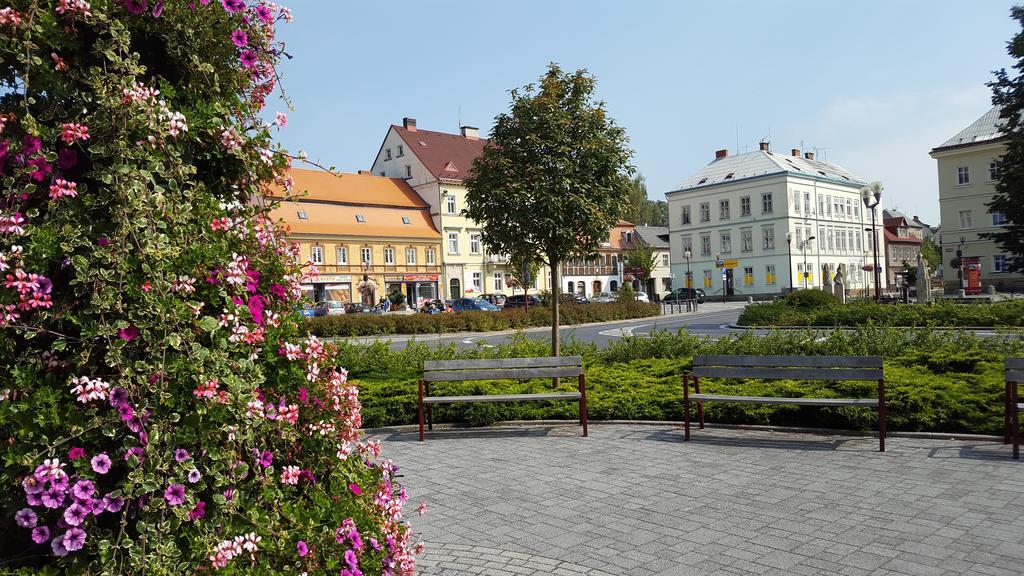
{"x": 410, "y": 278}
{"x": 727, "y": 263}
{"x": 334, "y": 278}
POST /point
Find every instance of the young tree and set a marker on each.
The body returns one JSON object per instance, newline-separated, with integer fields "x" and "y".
{"x": 161, "y": 411}
{"x": 1008, "y": 94}
{"x": 554, "y": 176}
{"x": 642, "y": 260}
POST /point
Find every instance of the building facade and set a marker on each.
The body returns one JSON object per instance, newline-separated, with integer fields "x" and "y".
{"x": 657, "y": 238}
{"x": 605, "y": 272}
{"x": 359, "y": 227}
{"x": 967, "y": 169}
{"x": 760, "y": 222}
{"x": 902, "y": 245}
{"x": 435, "y": 165}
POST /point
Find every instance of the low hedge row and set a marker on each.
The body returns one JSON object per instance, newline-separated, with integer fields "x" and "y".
{"x": 376, "y": 325}
{"x": 861, "y": 313}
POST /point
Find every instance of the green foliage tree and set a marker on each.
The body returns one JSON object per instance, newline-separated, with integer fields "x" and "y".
{"x": 1008, "y": 94}
{"x": 641, "y": 261}
{"x": 554, "y": 176}
{"x": 931, "y": 253}
{"x": 641, "y": 210}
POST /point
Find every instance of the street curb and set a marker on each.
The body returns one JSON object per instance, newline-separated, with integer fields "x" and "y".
{"x": 941, "y": 328}
{"x": 673, "y": 424}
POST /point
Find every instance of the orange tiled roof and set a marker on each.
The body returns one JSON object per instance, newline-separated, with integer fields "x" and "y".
{"x": 340, "y": 220}
{"x": 359, "y": 189}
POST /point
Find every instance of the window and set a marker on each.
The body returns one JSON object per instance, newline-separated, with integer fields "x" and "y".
{"x": 366, "y": 255}
{"x": 849, "y": 239}
{"x": 746, "y": 240}
{"x": 685, "y": 217}
{"x": 453, "y": 242}
{"x": 687, "y": 245}
{"x": 966, "y": 222}
{"x": 807, "y": 203}
{"x": 389, "y": 256}
{"x": 401, "y": 151}
{"x": 406, "y": 220}
{"x": 477, "y": 281}
{"x": 342, "y": 255}
{"x": 821, "y": 205}
{"x": 664, "y": 259}
{"x": 430, "y": 256}
{"x": 745, "y": 206}
{"x": 849, "y": 208}
{"x": 705, "y": 244}
{"x": 870, "y": 241}
{"x": 799, "y": 237}
{"x": 999, "y": 218}
{"x": 387, "y": 153}
{"x": 831, "y": 245}
{"x": 748, "y": 276}
{"x": 707, "y": 278}
{"x": 360, "y": 218}
{"x": 410, "y": 255}
{"x": 302, "y": 215}
{"x": 382, "y": 173}
{"x": 766, "y": 203}
{"x": 408, "y": 171}
{"x": 474, "y": 243}
{"x": 999, "y": 263}
{"x": 769, "y": 274}
{"x": 860, "y": 245}
{"x": 856, "y": 210}
{"x": 723, "y": 209}
{"x": 450, "y": 204}
{"x": 705, "y": 211}
{"x": 963, "y": 175}
{"x": 828, "y": 206}
{"x": 993, "y": 170}
{"x": 499, "y": 281}
{"x": 839, "y": 207}
{"x": 796, "y": 202}
{"x": 725, "y": 242}
{"x": 316, "y": 254}
{"x": 768, "y": 237}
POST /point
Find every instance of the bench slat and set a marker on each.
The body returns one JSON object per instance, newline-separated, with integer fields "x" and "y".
{"x": 770, "y": 373}
{"x": 490, "y": 363}
{"x": 1020, "y": 407}
{"x": 501, "y": 398}
{"x": 502, "y": 374}
{"x": 778, "y": 400}
{"x": 1015, "y": 375}
{"x": 1015, "y": 363}
{"x": 790, "y": 361}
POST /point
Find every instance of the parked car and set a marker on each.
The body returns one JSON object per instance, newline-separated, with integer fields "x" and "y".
{"x": 464, "y": 304}
{"x": 435, "y": 307}
{"x": 680, "y": 294}
{"x": 307, "y": 310}
{"x": 498, "y": 299}
{"x": 642, "y": 297}
{"x": 574, "y": 299}
{"x": 329, "y": 308}
{"x": 357, "y": 308}
{"x": 604, "y": 298}
{"x": 519, "y": 301}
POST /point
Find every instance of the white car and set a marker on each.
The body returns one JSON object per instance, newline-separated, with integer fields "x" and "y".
{"x": 642, "y": 297}
{"x": 603, "y": 298}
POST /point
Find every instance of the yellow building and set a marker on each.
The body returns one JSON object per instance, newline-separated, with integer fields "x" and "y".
{"x": 361, "y": 228}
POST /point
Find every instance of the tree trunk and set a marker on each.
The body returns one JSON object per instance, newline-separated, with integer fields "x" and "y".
{"x": 555, "y": 286}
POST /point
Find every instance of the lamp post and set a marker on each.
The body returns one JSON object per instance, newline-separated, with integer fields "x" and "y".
{"x": 803, "y": 250}
{"x": 872, "y": 195}
{"x": 689, "y": 280}
{"x": 789, "y": 257}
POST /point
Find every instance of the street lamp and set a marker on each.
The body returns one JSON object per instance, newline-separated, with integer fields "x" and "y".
{"x": 803, "y": 250}
{"x": 789, "y": 257}
{"x": 867, "y": 194}
{"x": 689, "y": 279}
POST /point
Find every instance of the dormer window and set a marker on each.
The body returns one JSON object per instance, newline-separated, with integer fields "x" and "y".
{"x": 302, "y": 215}
{"x": 406, "y": 220}
{"x": 729, "y": 175}
{"x": 360, "y": 218}
{"x": 702, "y": 180}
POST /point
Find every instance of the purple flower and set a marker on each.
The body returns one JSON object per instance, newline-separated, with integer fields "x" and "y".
{"x": 26, "y": 518}
{"x": 118, "y": 396}
{"x": 33, "y": 500}
{"x": 83, "y": 489}
{"x": 113, "y": 504}
{"x": 175, "y": 494}
{"x": 237, "y": 300}
{"x": 74, "y": 539}
{"x": 134, "y": 451}
{"x": 240, "y": 38}
{"x": 136, "y": 7}
{"x": 302, "y": 548}
{"x": 45, "y": 285}
{"x": 357, "y": 540}
{"x": 158, "y": 9}
{"x": 277, "y": 290}
{"x": 76, "y": 453}
{"x": 126, "y": 411}
{"x": 67, "y": 159}
{"x": 100, "y": 463}
{"x": 103, "y": 241}
{"x": 130, "y": 333}
{"x": 42, "y": 168}
{"x": 180, "y": 455}
{"x": 97, "y": 506}
{"x": 53, "y": 498}
{"x": 233, "y": 5}
{"x": 266, "y": 459}
{"x": 30, "y": 145}
{"x": 256, "y": 309}
{"x": 57, "y": 545}
{"x": 75, "y": 514}
{"x": 32, "y": 485}
{"x": 355, "y": 488}
{"x": 264, "y": 14}
{"x": 229, "y": 495}
{"x": 198, "y": 512}
{"x": 374, "y": 544}
{"x": 351, "y": 560}
{"x": 194, "y": 476}
{"x": 248, "y": 57}
{"x": 40, "y": 534}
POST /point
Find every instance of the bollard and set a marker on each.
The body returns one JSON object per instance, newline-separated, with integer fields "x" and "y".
{"x": 750, "y": 299}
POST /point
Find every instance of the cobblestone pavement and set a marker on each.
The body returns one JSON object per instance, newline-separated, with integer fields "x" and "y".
{"x": 636, "y": 500}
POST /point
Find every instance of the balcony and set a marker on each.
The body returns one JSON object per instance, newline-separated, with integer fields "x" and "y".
{"x": 588, "y": 270}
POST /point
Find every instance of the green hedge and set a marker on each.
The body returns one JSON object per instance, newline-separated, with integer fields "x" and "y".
{"x": 939, "y": 382}
{"x": 861, "y": 313}
{"x": 375, "y": 324}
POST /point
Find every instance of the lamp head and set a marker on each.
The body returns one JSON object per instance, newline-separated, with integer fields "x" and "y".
{"x": 687, "y": 254}
{"x": 809, "y": 238}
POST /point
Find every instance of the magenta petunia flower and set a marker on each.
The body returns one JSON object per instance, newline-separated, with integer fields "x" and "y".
{"x": 26, "y": 518}
{"x": 198, "y": 512}
{"x": 83, "y": 490}
{"x": 180, "y": 455}
{"x": 351, "y": 560}
{"x": 53, "y": 498}
{"x": 264, "y": 14}
{"x": 240, "y": 38}
{"x": 136, "y": 7}
{"x": 374, "y": 544}
{"x": 302, "y": 548}
{"x": 57, "y": 545}
{"x": 126, "y": 411}
{"x": 266, "y": 459}
{"x": 233, "y": 6}
{"x": 130, "y": 333}
{"x": 158, "y": 9}
{"x": 355, "y": 488}
{"x": 42, "y": 168}
{"x": 194, "y": 476}
{"x": 248, "y": 58}
{"x": 175, "y": 494}
{"x": 76, "y": 452}
{"x": 100, "y": 463}
{"x": 134, "y": 451}
{"x": 103, "y": 241}
{"x": 277, "y": 290}
{"x": 32, "y": 485}
{"x": 75, "y": 514}
{"x": 113, "y": 504}
{"x": 40, "y": 534}
{"x": 67, "y": 159}
{"x": 74, "y": 539}
{"x": 255, "y": 305}
{"x": 118, "y": 397}
{"x": 30, "y": 144}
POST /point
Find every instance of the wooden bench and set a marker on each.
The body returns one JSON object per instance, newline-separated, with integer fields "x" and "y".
{"x": 500, "y": 369}
{"x": 1012, "y": 404}
{"x": 785, "y": 368}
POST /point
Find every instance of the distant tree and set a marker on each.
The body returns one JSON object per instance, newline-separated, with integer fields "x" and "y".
{"x": 641, "y": 261}
{"x": 641, "y": 210}
{"x": 659, "y": 213}
{"x": 1008, "y": 94}
{"x": 554, "y": 176}
{"x": 930, "y": 252}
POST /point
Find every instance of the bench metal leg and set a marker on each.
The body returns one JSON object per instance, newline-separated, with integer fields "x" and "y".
{"x": 1015, "y": 420}
{"x": 420, "y": 410}
{"x": 881, "y": 415}
{"x": 700, "y": 405}
{"x": 1007, "y": 418}
{"x": 686, "y": 406}
{"x": 430, "y": 411}
{"x": 583, "y": 403}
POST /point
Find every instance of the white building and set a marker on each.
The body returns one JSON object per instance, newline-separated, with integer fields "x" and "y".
{"x": 760, "y": 222}
{"x": 656, "y": 237}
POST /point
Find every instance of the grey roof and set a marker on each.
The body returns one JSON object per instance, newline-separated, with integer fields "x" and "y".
{"x": 984, "y": 129}
{"x": 761, "y": 163}
{"x": 653, "y": 236}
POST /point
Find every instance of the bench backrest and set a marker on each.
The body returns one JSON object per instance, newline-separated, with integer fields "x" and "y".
{"x": 1015, "y": 369}
{"x": 502, "y": 369}
{"x": 789, "y": 367}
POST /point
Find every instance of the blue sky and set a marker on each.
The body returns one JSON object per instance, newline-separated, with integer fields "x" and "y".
{"x": 871, "y": 85}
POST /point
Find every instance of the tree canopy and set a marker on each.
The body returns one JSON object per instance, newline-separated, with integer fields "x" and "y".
{"x": 640, "y": 210}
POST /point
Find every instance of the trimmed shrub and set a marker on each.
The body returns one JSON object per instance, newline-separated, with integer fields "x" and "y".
{"x": 867, "y": 312}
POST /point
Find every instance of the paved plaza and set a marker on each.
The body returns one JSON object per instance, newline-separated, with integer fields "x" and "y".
{"x": 636, "y": 500}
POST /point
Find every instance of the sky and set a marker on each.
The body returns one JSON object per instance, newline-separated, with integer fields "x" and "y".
{"x": 871, "y": 86}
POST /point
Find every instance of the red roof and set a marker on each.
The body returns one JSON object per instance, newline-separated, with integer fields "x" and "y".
{"x": 893, "y": 237}
{"x": 446, "y": 156}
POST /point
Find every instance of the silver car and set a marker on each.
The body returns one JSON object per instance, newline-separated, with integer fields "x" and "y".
{"x": 604, "y": 298}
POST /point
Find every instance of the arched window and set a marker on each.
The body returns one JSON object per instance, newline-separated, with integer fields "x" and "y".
{"x": 614, "y": 285}
{"x": 597, "y": 286}
{"x": 581, "y": 288}
{"x": 570, "y": 287}
{"x": 454, "y": 288}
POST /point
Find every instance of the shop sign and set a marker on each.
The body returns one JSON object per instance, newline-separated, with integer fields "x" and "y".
{"x": 727, "y": 263}
{"x": 410, "y": 278}
{"x": 334, "y": 278}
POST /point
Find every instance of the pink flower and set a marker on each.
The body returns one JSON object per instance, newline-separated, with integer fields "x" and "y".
{"x": 76, "y": 453}
{"x": 74, "y": 539}
{"x": 128, "y": 334}
{"x": 351, "y": 560}
{"x": 100, "y": 463}
{"x": 136, "y": 7}
{"x": 147, "y": 286}
{"x": 248, "y": 58}
{"x": 355, "y": 488}
{"x": 26, "y": 518}
{"x": 290, "y": 475}
{"x": 233, "y": 5}
{"x": 175, "y": 495}
{"x": 264, "y": 14}
{"x": 75, "y": 514}
{"x": 158, "y": 9}
{"x": 198, "y": 512}
{"x": 422, "y": 508}
{"x": 40, "y": 534}
{"x": 266, "y": 459}
{"x": 239, "y": 38}
{"x": 302, "y": 548}
{"x": 67, "y": 159}
{"x": 281, "y": 119}
{"x": 73, "y": 132}
{"x": 181, "y": 455}
{"x": 62, "y": 188}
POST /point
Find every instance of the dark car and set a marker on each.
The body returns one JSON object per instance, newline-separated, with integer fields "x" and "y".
{"x": 681, "y": 294}
{"x": 307, "y": 310}
{"x": 519, "y": 301}
{"x": 357, "y": 308}
{"x": 497, "y": 299}
{"x": 466, "y": 304}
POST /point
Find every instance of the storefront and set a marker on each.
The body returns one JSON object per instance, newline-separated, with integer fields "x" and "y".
{"x": 417, "y": 288}
{"x": 337, "y": 287}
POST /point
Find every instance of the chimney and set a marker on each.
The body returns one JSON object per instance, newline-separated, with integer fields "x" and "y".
{"x": 469, "y": 132}
{"x": 809, "y": 155}
{"x": 763, "y": 146}
{"x": 795, "y": 152}
{"x": 409, "y": 124}
{"x": 721, "y": 153}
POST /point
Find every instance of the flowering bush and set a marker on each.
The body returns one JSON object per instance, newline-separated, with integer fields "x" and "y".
{"x": 159, "y": 410}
